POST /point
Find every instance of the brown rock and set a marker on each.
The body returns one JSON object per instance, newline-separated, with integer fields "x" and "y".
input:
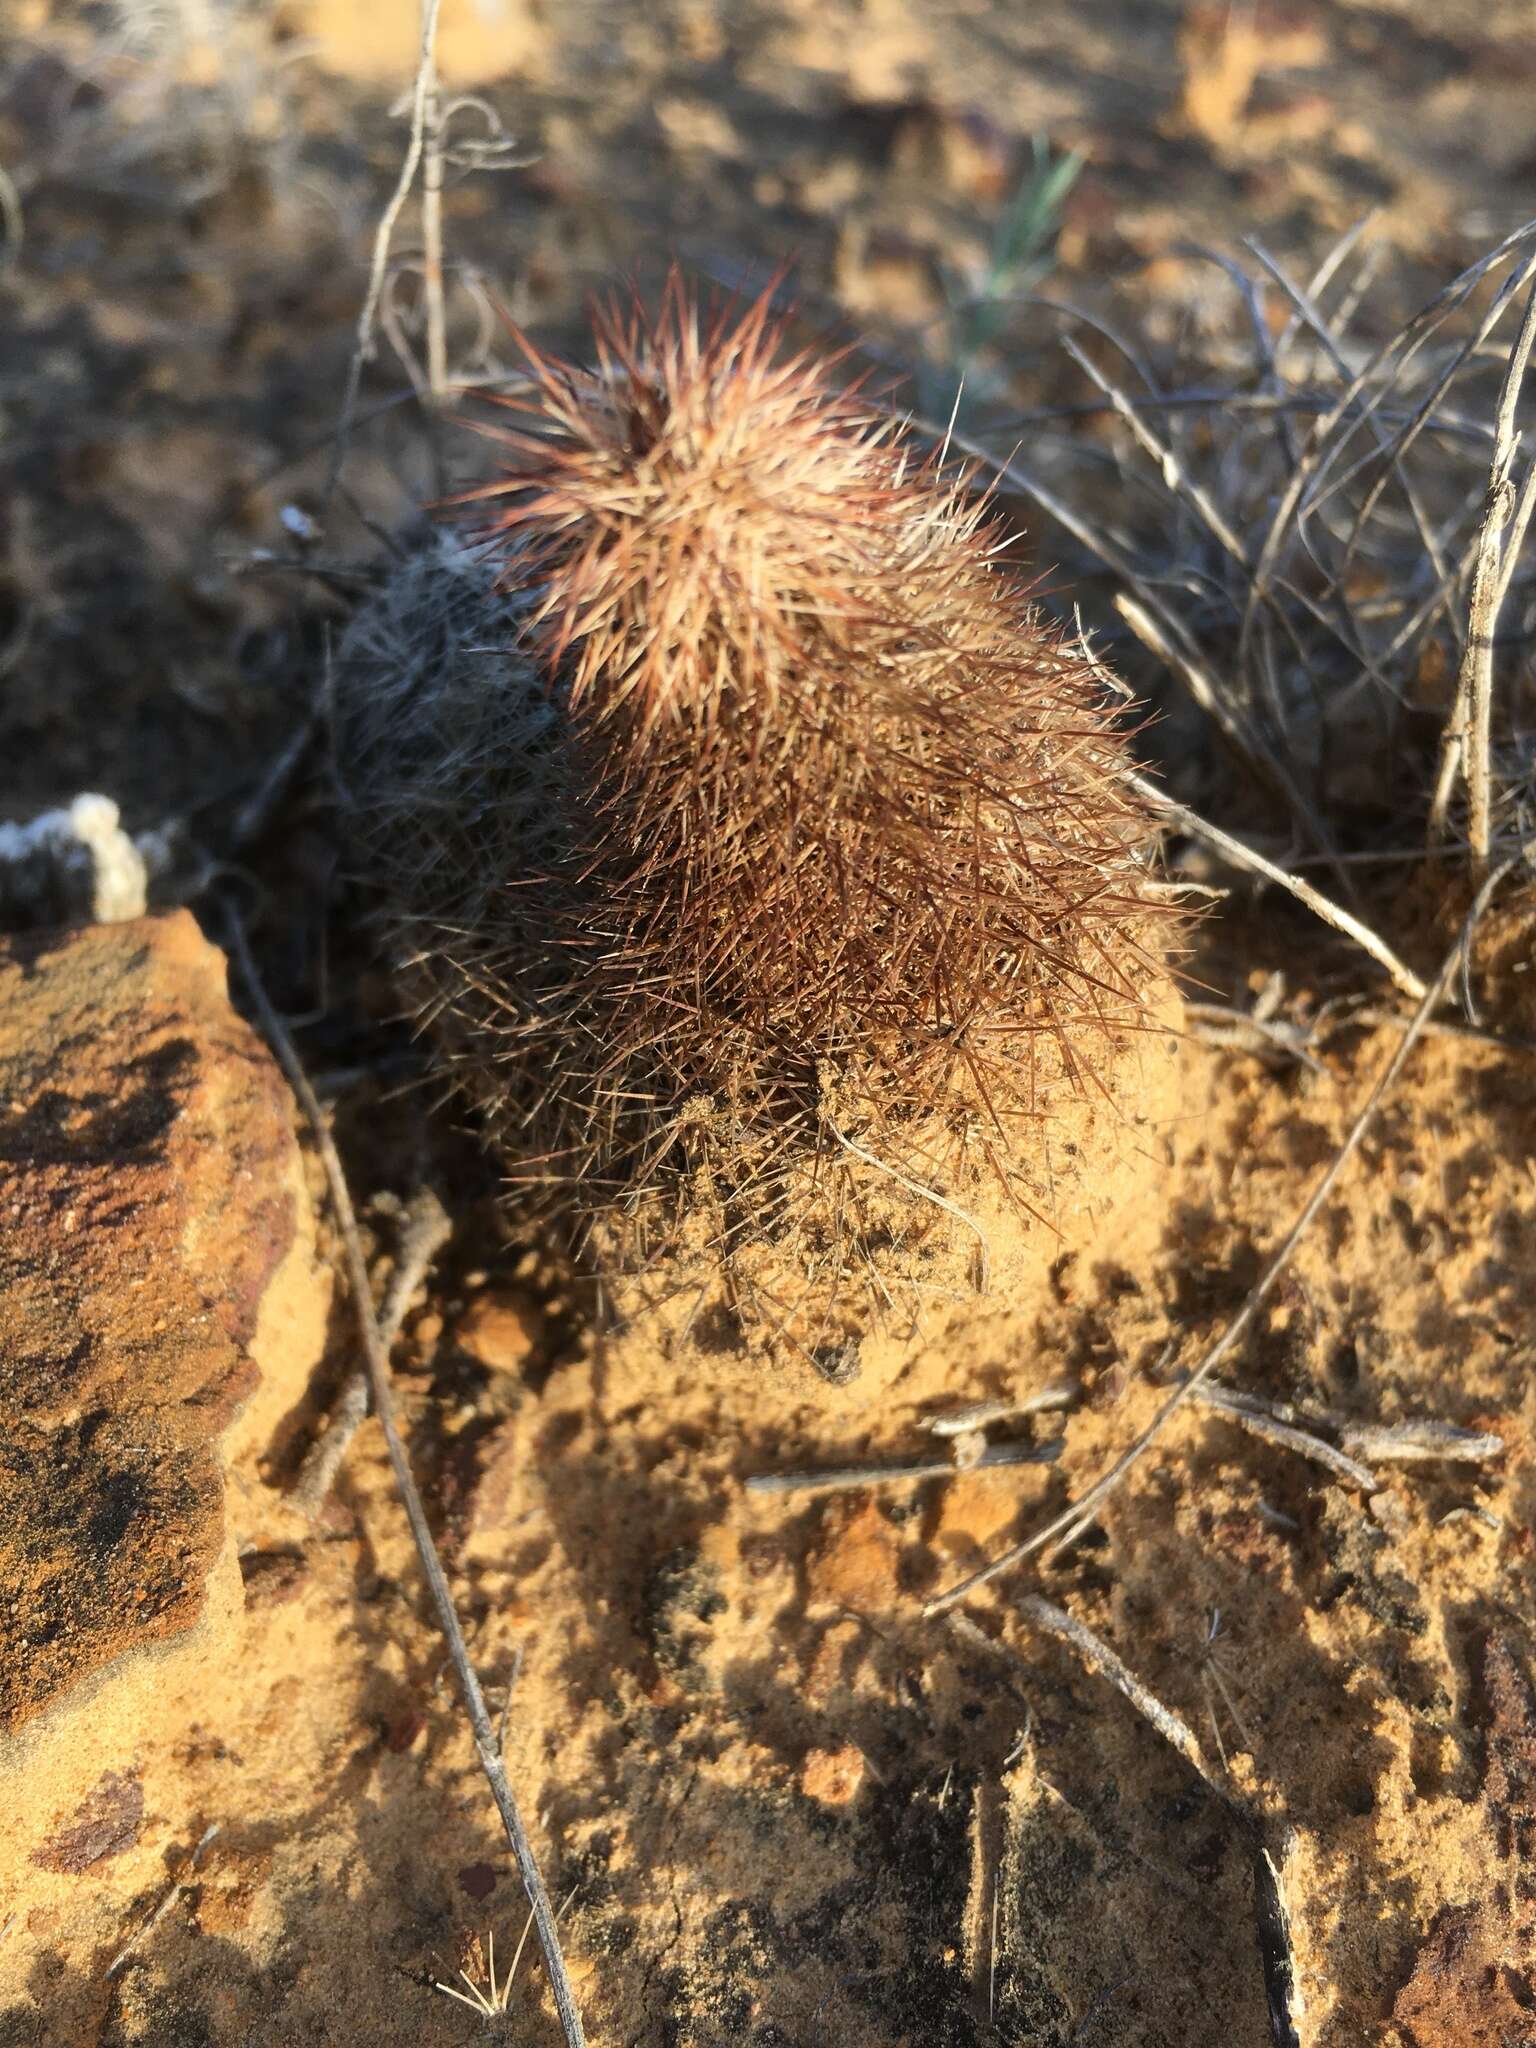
{"x": 499, "y": 1330}
{"x": 156, "y": 1278}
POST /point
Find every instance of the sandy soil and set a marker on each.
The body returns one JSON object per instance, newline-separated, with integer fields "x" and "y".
{"x": 781, "y": 1807}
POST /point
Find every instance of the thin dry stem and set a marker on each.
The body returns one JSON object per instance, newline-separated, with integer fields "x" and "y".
{"x": 1199, "y": 682}
{"x": 1251, "y": 1414}
{"x": 1243, "y": 856}
{"x": 1101, "y": 1659}
{"x": 1172, "y": 471}
{"x": 432, "y": 232}
{"x": 168, "y": 1900}
{"x": 486, "y": 1745}
{"x": 926, "y": 1194}
{"x": 851, "y": 1478}
{"x": 1365, "y": 391}
{"x": 1421, "y": 1442}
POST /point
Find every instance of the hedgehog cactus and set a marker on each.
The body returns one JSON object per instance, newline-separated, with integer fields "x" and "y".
{"x": 785, "y": 832}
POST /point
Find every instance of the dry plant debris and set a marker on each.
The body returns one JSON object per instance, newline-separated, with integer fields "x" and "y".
{"x": 1315, "y": 532}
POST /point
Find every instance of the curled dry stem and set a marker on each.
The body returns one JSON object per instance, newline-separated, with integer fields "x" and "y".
{"x": 427, "y": 1229}
{"x": 422, "y": 101}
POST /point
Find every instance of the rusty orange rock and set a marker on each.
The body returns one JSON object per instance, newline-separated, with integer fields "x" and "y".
{"x": 157, "y": 1282}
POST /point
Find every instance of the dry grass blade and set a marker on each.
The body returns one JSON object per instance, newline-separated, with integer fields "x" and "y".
{"x": 1203, "y": 688}
{"x": 1164, "y": 631}
{"x": 1308, "y": 312}
{"x": 11, "y": 219}
{"x": 1310, "y": 590}
{"x": 1171, "y": 469}
{"x": 1066, "y": 1527}
{"x": 1357, "y": 403}
{"x": 1288, "y": 607}
{"x": 486, "y": 1745}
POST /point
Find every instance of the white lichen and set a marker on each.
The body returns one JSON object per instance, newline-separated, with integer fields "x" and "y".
{"x": 72, "y": 866}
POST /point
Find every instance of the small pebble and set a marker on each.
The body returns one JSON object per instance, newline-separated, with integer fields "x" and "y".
{"x": 500, "y": 1331}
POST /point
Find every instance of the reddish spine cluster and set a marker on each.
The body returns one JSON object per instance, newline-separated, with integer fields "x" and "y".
{"x": 857, "y": 806}
{"x": 750, "y": 838}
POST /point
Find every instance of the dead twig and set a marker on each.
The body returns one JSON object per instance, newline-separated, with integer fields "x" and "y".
{"x": 1228, "y": 1029}
{"x": 427, "y": 1230}
{"x": 1272, "y": 1920}
{"x": 951, "y": 1422}
{"x": 1253, "y": 1415}
{"x": 1100, "y": 1659}
{"x": 1172, "y": 471}
{"x": 259, "y": 808}
{"x": 846, "y": 1478}
{"x": 486, "y": 1745}
{"x": 1438, "y": 1027}
{"x": 1066, "y": 1527}
{"x": 1323, "y": 445}
{"x": 1421, "y": 1443}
